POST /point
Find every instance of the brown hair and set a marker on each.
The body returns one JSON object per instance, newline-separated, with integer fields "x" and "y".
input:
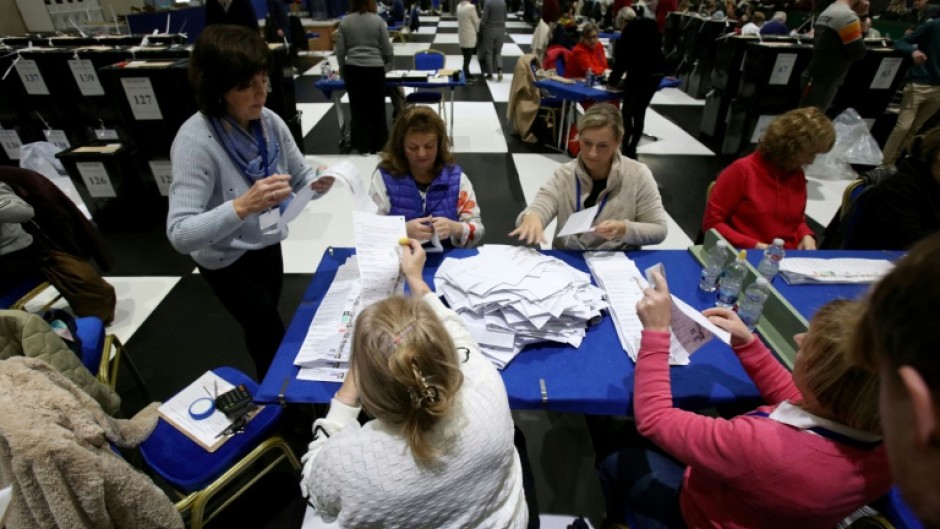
{"x": 602, "y": 115}
{"x": 759, "y": 18}
{"x": 421, "y": 120}
{"x": 551, "y": 11}
{"x": 225, "y": 57}
{"x": 927, "y": 146}
{"x": 847, "y": 393}
{"x": 795, "y": 132}
{"x": 363, "y": 6}
{"x": 406, "y": 368}
{"x": 897, "y": 325}
{"x": 589, "y": 28}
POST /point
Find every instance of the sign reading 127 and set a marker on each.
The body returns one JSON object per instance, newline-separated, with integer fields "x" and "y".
{"x": 140, "y": 96}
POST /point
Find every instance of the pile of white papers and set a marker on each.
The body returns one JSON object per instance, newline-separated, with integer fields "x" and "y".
{"x": 512, "y": 296}
{"x": 797, "y": 270}
{"x": 624, "y": 285}
{"x": 365, "y": 278}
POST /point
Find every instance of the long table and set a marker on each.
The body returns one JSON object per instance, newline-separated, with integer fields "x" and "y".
{"x": 594, "y": 378}
{"x": 572, "y": 93}
{"x": 333, "y": 89}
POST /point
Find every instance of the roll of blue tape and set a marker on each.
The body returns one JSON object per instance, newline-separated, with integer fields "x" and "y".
{"x": 201, "y": 408}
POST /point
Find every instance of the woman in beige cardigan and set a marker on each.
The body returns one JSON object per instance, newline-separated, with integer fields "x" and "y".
{"x": 630, "y": 212}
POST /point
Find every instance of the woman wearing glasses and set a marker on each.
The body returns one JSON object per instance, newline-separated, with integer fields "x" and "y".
{"x": 235, "y": 168}
{"x": 588, "y": 54}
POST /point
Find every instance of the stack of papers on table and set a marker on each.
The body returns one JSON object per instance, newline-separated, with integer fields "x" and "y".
{"x": 797, "y": 270}
{"x": 624, "y": 285}
{"x": 511, "y": 296}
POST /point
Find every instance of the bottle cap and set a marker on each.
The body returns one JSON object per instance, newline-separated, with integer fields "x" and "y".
{"x": 722, "y": 243}
{"x": 778, "y": 241}
{"x": 742, "y": 255}
{"x": 762, "y": 281}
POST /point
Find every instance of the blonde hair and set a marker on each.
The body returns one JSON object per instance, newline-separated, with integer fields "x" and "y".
{"x": 406, "y": 368}
{"x": 602, "y": 115}
{"x": 796, "y": 132}
{"x": 847, "y": 393}
{"x": 421, "y": 120}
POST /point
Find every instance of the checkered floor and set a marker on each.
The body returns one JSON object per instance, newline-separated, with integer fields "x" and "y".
{"x": 176, "y": 330}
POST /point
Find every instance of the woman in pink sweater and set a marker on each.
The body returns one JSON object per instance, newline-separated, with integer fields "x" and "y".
{"x": 809, "y": 458}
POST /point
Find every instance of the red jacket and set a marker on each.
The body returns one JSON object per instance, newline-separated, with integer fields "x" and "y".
{"x": 752, "y": 471}
{"x": 754, "y": 202}
{"x": 663, "y": 8}
{"x": 583, "y": 58}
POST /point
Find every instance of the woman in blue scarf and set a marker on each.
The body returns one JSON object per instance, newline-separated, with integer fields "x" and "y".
{"x": 235, "y": 169}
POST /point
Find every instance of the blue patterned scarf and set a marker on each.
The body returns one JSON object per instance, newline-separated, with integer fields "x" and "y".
{"x": 244, "y": 149}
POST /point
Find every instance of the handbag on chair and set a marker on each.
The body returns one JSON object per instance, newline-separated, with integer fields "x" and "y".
{"x": 80, "y": 284}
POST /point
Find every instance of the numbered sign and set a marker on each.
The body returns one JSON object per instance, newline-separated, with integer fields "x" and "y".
{"x": 140, "y": 95}
{"x": 762, "y": 123}
{"x": 162, "y": 171}
{"x": 86, "y": 77}
{"x": 783, "y": 68}
{"x": 11, "y": 143}
{"x": 885, "y": 75}
{"x": 33, "y": 82}
{"x": 57, "y": 138}
{"x": 96, "y": 179}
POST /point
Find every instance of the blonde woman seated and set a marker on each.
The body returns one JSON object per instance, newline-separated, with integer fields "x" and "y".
{"x": 419, "y": 179}
{"x": 630, "y": 212}
{"x": 808, "y": 458}
{"x": 439, "y": 452}
{"x": 763, "y": 196}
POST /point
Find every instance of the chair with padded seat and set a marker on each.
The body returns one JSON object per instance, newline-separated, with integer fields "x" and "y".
{"x": 30, "y": 289}
{"x": 198, "y": 476}
{"x": 428, "y": 60}
{"x": 97, "y": 349}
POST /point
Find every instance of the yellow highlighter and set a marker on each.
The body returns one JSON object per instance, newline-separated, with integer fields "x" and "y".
{"x": 404, "y": 241}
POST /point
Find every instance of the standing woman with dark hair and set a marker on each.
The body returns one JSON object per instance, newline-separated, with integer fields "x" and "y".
{"x": 235, "y": 168}
{"x": 439, "y": 452}
{"x": 641, "y": 72}
{"x": 363, "y": 50}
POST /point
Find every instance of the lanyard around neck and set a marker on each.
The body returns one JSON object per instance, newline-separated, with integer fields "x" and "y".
{"x": 577, "y": 205}
{"x": 830, "y": 434}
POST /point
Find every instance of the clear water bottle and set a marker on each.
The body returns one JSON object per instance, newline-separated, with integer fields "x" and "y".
{"x": 770, "y": 264}
{"x": 589, "y": 78}
{"x": 327, "y": 70}
{"x": 752, "y": 302}
{"x": 729, "y": 286}
{"x": 715, "y": 261}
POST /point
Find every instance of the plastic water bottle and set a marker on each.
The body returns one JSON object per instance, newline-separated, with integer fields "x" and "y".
{"x": 589, "y": 78}
{"x": 327, "y": 70}
{"x": 770, "y": 264}
{"x": 752, "y": 302}
{"x": 715, "y": 262}
{"x": 729, "y": 287}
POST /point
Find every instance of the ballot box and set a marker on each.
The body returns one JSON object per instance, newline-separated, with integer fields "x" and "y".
{"x": 872, "y": 81}
{"x": 770, "y": 74}
{"x": 714, "y": 113}
{"x": 744, "y": 125}
{"x": 672, "y": 32}
{"x": 153, "y": 98}
{"x": 113, "y": 187}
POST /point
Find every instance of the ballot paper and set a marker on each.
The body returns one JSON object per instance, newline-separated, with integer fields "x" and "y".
{"x": 327, "y": 344}
{"x": 798, "y": 270}
{"x": 377, "y": 249}
{"x": 579, "y": 222}
{"x": 624, "y": 285}
{"x": 346, "y": 173}
{"x": 512, "y": 296}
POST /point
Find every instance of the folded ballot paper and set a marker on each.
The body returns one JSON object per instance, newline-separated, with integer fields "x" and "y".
{"x": 512, "y": 296}
{"x": 798, "y": 270}
{"x": 623, "y": 285}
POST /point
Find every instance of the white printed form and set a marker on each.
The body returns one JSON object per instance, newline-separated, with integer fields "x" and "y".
{"x": 346, "y": 173}
{"x": 324, "y": 353}
{"x": 378, "y": 250}
{"x": 580, "y": 222}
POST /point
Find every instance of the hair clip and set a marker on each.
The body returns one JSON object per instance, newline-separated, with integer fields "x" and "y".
{"x": 401, "y": 334}
{"x": 428, "y": 393}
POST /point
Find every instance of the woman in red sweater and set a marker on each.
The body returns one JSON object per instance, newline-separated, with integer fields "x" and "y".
{"x": 809, "y": 458}
{"x": 763, "y": 196}
{"x": 588, "y": 54}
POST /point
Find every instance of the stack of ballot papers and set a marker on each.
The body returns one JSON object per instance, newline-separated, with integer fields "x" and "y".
{"x": 797, "y": 270}
{"x": 365, "y": 278}
{"x": 623, "y": 285}
{"x": 512, "y": 296}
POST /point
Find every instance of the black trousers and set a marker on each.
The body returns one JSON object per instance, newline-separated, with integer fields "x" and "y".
{"x": 250, "y": 289}
{"x": 366, "y": 88}
{"x": 639, "y": 93}
{"x": 467, "y": 55}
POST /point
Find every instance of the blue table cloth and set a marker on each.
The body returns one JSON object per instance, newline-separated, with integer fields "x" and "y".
{"x": 595, "y": 378}
{"x": 328, "y": 87}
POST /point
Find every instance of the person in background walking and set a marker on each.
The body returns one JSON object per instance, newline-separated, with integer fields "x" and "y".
{"x": 492, "y": 35}
{"x": 468, "y": 25}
